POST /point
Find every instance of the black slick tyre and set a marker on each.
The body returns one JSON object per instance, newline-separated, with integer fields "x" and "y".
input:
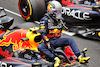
{"x": 32, "y": 10}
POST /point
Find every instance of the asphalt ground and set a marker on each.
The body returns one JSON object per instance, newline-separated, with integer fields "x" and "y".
{"x": 92, "y": 45}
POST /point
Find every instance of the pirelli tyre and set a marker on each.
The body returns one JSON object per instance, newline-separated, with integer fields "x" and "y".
{"x": 32, "y": 10}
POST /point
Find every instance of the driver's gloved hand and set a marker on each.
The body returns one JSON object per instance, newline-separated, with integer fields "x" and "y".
{"x": 57, "y": 62}
{"x": 83, "y": 59}
{"x": 48, "y": 44}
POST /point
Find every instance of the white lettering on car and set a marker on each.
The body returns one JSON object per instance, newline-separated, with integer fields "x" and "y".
{"x": 2, "y": 64}
{"x": 76, "y": 14}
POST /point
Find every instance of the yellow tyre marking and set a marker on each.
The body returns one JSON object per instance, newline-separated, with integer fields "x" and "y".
{"x": 30, "y": 9}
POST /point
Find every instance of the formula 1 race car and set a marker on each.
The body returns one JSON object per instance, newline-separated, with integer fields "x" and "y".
{"x": 18, "y": 47}
{"x": 80, "y": 17}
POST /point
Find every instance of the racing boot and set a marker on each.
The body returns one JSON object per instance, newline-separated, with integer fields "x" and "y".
{"x": 83, "y": 59}
{"x": 57, "y": 62}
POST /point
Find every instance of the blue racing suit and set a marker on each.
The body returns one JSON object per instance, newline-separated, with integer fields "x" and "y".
{"x": 51, "y": 32}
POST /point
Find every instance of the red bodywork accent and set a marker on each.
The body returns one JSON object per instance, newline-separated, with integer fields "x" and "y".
{"x": 69, "y": 52}
{"x": 5, "y": 53}
{"x": 1, "y": 32}
{"x": 67, "y": 2}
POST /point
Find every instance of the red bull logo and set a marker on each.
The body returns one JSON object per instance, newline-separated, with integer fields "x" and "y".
{"x": 14, "y": 37}
{"x": 11, "y": 41}
{"x": 55, "y": 33}
{"x": 67, "y": 2}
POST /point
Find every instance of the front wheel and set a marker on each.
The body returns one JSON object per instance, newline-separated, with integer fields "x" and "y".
{"x": 31, "y": 10}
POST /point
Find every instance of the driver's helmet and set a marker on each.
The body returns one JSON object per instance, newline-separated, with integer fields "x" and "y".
{"x": 54, "y": 9}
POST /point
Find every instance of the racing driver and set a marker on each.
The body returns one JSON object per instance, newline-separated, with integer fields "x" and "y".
{"x": 51, "y": 28}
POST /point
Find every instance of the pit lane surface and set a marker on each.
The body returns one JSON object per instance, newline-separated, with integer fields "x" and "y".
{"x": 92, "y": 45}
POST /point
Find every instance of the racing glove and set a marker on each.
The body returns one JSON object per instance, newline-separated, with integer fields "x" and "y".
{"x": 83, "y": 59}
{"x": 48, "y": 44}
{"x": 46, "y": 40}
{"x": 57, "y": 62}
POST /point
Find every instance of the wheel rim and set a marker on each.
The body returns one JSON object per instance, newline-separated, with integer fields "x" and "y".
{"x": 24, "y": 8}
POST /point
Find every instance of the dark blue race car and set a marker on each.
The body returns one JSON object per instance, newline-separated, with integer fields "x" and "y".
{"x": 81, "y": 17}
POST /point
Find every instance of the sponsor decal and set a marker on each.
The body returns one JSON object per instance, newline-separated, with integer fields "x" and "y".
{"x": 11, "y": 38}
{"x": 76, "y": 14}
{"x": 2, "y": 64}
{"x": 5, "y": 53}
{"x": 54, "y": 31}
{"x": 67, "y": 2}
